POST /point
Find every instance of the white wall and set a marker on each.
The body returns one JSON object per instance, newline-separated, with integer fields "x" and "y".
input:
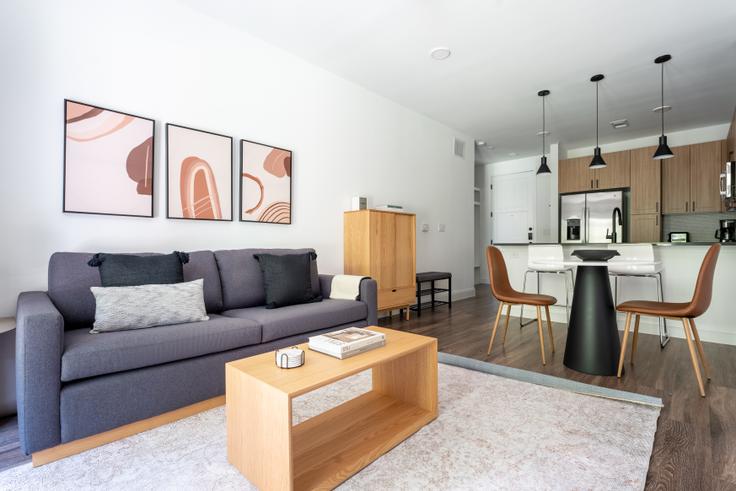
{"x": 674, "y": 139}
{"x": 165, "y": 61}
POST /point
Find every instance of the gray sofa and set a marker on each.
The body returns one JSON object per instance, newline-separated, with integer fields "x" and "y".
{"x": 72, "y": 384}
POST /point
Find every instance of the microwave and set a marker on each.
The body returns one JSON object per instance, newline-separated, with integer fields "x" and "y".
{"x": 728, "y": 186}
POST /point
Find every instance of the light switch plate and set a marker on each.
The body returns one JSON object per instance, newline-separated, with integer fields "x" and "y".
{"x": 441, "y": 227}
{"x": 425, "y": 227}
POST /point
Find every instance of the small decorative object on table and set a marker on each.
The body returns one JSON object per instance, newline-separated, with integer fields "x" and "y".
{"x": 290, "y": 357}
{"x": 347, "y": 342}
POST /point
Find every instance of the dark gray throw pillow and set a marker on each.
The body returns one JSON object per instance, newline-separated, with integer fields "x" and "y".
{"x": 287, "y": 279}
{"x": 131, "y": 270}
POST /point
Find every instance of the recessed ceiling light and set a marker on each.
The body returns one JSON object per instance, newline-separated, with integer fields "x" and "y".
{"x": 480, "y": 143}
{"x": 440, "y": 53}
{"x": 620, "y": 123}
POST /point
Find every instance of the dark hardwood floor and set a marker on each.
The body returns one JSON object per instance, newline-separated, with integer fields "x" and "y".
{"x": 695, "y": 444}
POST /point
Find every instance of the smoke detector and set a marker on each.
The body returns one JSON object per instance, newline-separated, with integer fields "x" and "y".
{"x": 440, "y": 53}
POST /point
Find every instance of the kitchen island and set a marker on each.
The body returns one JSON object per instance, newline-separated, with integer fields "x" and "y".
{"x": 681, "y": 262}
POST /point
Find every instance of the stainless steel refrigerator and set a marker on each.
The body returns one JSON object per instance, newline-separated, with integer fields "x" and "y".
{"x": 592, "y": 218}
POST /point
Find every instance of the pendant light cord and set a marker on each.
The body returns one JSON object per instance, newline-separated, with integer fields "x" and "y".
{"x": 596, "y": 114}
{"x": 544, "y": 127}
{"x": 662, "y": 92}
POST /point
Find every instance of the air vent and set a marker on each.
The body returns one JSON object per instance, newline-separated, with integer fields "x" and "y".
{"x": 620, "y": 124}
{"x": 459, "y": 147}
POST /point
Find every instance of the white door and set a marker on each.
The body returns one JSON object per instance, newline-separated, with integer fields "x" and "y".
{"x": 512, "y": 207}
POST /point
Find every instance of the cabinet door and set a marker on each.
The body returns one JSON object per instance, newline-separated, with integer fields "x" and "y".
{"x": 405, "y": 246}
{"x": 646, "y": 182}
{"x": 574, "y": 175}
{"x": 705, "y": 172}
{"x": 617, "y": 173}
{"x": 676, "y": 181}
{"x": 645, "y": 228}
{"x": 383, "y": 247}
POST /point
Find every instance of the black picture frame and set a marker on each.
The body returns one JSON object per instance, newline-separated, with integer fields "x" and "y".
{"x": 153, "y": 162}
{"x": 230, "y": 173}
{"x": 240, "y": 184}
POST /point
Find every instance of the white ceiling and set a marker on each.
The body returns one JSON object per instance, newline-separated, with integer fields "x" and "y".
{"x": 504, "y": 51}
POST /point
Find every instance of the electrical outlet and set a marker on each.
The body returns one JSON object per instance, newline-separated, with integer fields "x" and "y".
{"x": 441, "y": 227}
{"x": 425, "y": 227}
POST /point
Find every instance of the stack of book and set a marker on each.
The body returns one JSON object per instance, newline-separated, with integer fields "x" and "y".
{"x": 347, "y": 342}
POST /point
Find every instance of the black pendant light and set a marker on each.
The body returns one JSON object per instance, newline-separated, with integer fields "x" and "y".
{"x": 597, "y": 162}
{"x": 543, "y": 167}
{"x": 663, "y": 150}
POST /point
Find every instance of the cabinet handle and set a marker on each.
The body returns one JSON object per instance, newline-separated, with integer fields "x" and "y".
{"x": 687, "y": 204}
{"x": 656, "y": 220}
{"x": 393, "y": 290}
{"x": 657, "y": 206}
{"x": 597, "y": 186}
{"x": 693, "y": 205}
{"x": 591, "y": 184}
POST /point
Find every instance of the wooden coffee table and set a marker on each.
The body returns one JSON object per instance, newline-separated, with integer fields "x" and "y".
{"x": 325, "y": 450}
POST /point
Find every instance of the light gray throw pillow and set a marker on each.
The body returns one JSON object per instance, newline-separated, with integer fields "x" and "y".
{"x": 121, "y": 308}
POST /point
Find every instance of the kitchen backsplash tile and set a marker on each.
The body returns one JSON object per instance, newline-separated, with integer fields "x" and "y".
{"x": 702, "y": 226}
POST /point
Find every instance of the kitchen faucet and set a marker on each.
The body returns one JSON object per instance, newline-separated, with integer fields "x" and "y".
{"x": 612, "y": 234}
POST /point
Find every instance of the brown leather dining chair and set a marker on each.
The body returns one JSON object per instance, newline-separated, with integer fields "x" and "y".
{"x": 685, "y": 312}
{"x": 502, "y": 290}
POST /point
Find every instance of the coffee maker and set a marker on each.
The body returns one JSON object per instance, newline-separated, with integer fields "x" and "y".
{"x": 727, "y": 230}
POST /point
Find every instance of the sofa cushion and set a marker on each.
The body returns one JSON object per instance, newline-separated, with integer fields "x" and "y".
{"x": 132, "y": 270}
{"x": 242, "y": 279}
{"x": 70, "y": 279}
{"x": 287, "y": 279}
{"x": 88, "y": 355}
{"x": 298, "y": 319}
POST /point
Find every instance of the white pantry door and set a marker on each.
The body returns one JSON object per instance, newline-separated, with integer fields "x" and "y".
{"x": 512, "y": 207}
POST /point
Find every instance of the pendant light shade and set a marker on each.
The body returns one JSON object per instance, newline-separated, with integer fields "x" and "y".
{"x": 663, "y": 150}
{"x": 543, "y": 167}
{"x": 597, "y": 162}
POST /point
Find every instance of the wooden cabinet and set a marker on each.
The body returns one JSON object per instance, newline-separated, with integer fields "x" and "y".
{"x": 617, "y": 173}
{"x": 575, "y": 175}
{"x": 706, "y": 165}
{"x": 676, "y": 181}
{"x": 646, "y": 182}
{"x": 690, "y": 180}
{"x": 382, "y": 245}
{"x": 645, "y": 228}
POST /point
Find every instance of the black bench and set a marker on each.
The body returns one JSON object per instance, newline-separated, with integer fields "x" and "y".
{"x": 432, "y": 277}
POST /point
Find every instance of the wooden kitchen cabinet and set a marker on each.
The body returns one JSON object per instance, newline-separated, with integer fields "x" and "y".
{"x": 617, "y": 173}
{"x": 645, "y": 228}
{"x": 646, "y": 182}
{"x": 574, "y": 175}
{"x": 676, "y": 181}
{"x": 706, "y": 165}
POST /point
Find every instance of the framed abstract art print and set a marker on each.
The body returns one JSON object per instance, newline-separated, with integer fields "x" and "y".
{"x": 265, "y": 183}
{"x": 108, "y": 161}
{"x": 199, "y": 174}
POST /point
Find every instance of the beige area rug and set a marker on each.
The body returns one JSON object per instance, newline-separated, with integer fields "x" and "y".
{"x": 491, "y": 433}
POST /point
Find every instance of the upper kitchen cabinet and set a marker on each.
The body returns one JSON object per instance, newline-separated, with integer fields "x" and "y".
{"x": 646, "y": 182}
{"x": 691, "y": 179}
{"x": 676, "y": 181}
{"x": 617, "y": 173}
{"x": 574, "y": 175}
{"x": 706, "y": 165}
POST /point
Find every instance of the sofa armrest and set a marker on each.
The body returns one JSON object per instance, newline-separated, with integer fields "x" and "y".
{"x": 325, "y": 284}
{"x": 368, "y": 295}
{"x": 39, "y": 342}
